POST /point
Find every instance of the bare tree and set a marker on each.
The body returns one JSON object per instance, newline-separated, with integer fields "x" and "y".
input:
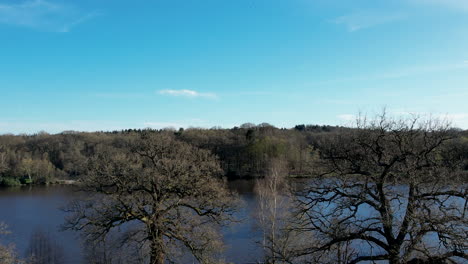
{"x": 270, "y": 202}
{"x": 168, "y": 192}
{"x": 279, "y": 238}
{"x": 389, "y": 193}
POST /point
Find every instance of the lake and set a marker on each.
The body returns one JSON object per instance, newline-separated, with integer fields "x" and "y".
{"x": 36, "y": 209}
{"x": 32, "y": 209}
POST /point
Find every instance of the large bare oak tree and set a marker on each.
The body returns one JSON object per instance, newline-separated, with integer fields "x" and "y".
{"x": 165, "y": 194}
{"x": 390, "y": 191}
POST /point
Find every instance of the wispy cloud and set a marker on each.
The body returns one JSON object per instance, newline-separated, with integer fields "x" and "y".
{"x": 187, "y": 93}
{"x": 366, "y": 19}
{"x": 43, "y": 15}
{"x": 458, "y": 5}
{"x": 396, "y": 11}
{"x": 347, "y": 117}
{"x": 403, "y": 72}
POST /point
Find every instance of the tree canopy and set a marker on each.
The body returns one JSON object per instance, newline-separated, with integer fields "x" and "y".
{"x": 166, "y": 194}
{"x": 391, "y": 187}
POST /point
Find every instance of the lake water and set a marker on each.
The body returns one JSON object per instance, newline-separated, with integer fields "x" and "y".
{"x": 29, "y": 209}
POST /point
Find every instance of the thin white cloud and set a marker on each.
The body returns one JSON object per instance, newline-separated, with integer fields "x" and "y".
{"x": 347, "y": 117}
{"x": 187, "y": 93}
{"x": 43, "y": 15}
{"x": 400, "y": 73}
{"x": 366, "y": 19}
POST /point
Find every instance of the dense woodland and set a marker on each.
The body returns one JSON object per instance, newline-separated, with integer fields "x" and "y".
{"x": 394, "y": 186}
{"x": 243, "y": 152}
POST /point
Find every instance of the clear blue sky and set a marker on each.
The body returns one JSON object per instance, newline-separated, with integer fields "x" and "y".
{"x": 113, "y": 64}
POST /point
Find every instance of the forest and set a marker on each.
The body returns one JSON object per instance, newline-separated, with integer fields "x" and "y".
{"x": 243, "y": 152}
{"x": 385, "y": 189}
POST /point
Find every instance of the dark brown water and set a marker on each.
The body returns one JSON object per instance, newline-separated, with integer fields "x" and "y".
{"x": 32, "y": 210}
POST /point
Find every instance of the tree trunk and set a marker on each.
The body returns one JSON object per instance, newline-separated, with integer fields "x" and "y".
{"x": 157, "y": 254}
{"x": 393, "y": 260}
{"x": 394, "y": 256}
{"x": 157, "y": 246}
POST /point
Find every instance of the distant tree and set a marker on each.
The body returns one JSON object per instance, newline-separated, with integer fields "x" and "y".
{"x": 387, "y": 194}
{"x": 300, "y": 127}
{"x": 167, "y": 189}
{"x": 265, "y": 125}
{"x": 248, "y": 125}
{"x": 37, "y": 170}
{"x": 262, "y": 150}
{"x": 27, "y": 168}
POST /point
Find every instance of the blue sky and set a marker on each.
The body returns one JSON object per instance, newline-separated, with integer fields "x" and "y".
{"x": 114, "y": 64}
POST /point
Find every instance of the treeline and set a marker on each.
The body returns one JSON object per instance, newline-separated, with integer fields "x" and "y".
{"x": 243, "y": 152}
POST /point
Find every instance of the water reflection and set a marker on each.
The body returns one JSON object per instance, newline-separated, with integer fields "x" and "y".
{"x": 44, "y": 248}
{"x": 27, "y": 210}
{"x": 113, "y": 249}
{"x": 34, "y": 217}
